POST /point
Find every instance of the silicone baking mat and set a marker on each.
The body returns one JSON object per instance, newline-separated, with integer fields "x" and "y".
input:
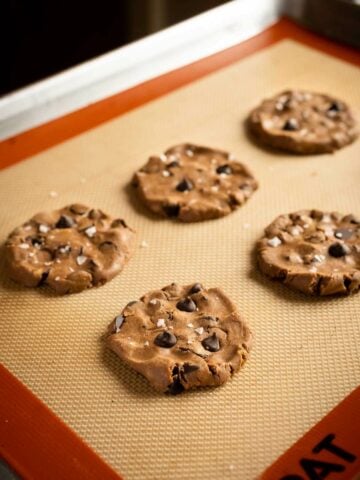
{"x": 305, "y": 358}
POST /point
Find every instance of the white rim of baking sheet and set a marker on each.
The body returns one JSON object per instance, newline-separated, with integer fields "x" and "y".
{"x": 142, "y": 60}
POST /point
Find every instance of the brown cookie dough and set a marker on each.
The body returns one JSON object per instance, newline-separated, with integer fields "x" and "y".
{"x": 194, "y": 183}
{"x": 181, "y": 337}
{"x": 303, "y": 122}
{"x": 315, "y": 252}
{"x": 69, "y": 249}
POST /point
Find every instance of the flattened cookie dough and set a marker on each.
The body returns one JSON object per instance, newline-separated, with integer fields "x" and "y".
{"x": 181, "y": 337}
{"x": 193, "y": 183}
{"x": 69, "y": 249}
{"x": 303, "y": 122}
{"x": 315, "y": 252}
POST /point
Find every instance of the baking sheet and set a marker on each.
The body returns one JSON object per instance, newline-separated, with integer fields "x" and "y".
{"x": 306, "y": 352}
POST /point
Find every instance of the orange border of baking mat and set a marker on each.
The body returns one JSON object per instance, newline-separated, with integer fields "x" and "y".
{"x": 37, "y": 444}
{"x": 331, "y": 446}
{"x": 33, "y": 440}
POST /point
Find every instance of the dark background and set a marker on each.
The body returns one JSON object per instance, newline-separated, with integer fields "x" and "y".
{"x": 41, "y": 37}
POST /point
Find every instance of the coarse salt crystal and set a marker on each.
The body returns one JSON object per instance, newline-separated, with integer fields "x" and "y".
{"x": 43, "y": 228}
{"x": 274, "y": 242}
{"x": 90, "y": 231}
{"x": 295, "y": 231}
{"x": 190, "y": 325}
{"x": 144, "y": 244}
{"x": 81, "y": 259}
{"x": 165, "y": 173}
{"x": 153, "y": 301}
{"x": 318, "y": 258}
{"x": 199, "y": 330}
{"x": 326, "y": 218}
{"x": 163, "y": 157}
{"x": 146, "y": 343}
{"x": 57, "y": 279}
{"x": 161, "y": 323}
{"x": 189, "y": 153}
{"x": 24, "y": 246}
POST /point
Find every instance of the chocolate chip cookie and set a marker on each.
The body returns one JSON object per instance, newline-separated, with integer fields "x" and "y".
{"x": 181, "y": 337}
{"x": 69, "y": 249}
{"x": 315, "y": 252}
{"x": 303, "y": 122}
{"x": 193, "y": 183}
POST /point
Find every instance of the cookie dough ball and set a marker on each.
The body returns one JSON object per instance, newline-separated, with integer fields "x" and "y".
{"x": 315, "y": 252}
{"x": 181, "y": 337}
{"x": 193, "y": 183}
{"x": 303, "y": 122}
{"x": 70, "y": 249}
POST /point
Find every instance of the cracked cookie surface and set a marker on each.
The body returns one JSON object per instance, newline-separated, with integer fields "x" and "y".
{"x": 181, "y": 337}
{"x": 70, "y": 249}
{"x": 312, "y": 251}
{"x": 303, "y": 122}
{"x": 194, "y": 183}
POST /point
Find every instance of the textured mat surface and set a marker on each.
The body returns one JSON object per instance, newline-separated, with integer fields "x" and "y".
{"x": 306, "y": 355}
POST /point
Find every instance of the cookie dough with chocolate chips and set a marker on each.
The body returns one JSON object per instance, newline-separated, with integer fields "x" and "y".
{"x": 181, "y": 337}
{"x": 193, "y": 183}
{"x": 303, "y": 122}
{"x": 315, "y": 252}
{"x": 69, "y": 249}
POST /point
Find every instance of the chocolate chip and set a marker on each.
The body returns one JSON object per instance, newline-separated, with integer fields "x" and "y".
{"x": 65, "y": 222}
{"x": 171, "y": 211}
{"x": 224, "y": 169}
{"x": 291, "y": 124}
{"x": 119, "y": 222}
{"x": 188, "y": 368}
{"x": 43, "y": 278}
{"x": 343, "y": 233}
{"x": 351, "y": 219}
{"x": 334, "y": 107}
{"x": 211, "y": 343}
{"x": 165, "y": 340}
{"x": 209, "y": 318}
{"x": 196, "y": 288}
{"x": 37, "y": 241}
{"x": 176, "y": 387}
{"x": 186, "y": 305}
{"x": 184, "y": 186}
{"x": 337, "y": 250}
{"x": 173, "y": 164}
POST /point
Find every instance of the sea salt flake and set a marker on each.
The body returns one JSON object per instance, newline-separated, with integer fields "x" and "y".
{"x": 146, "y": 343}
{"x": 190, "y": 325}
{"x": 189, "y": 153}
{"x": 161, "y": 323}
{"x": 43, "y": 228}
{"x": 199, "y": 330}
{"x": 81, "y": 259}
{"x": 153, "y": 301}
{"x": 163, "y": 157}
{"x": 24, "y": 246}
{"x": 90, "y": 231}
{"x": 274, "y": 242}
{"x": 295, "y": 231}
{"x": 57, "y": 279}
{"x": 326, "y": 218}
{"x": 165, "y": 173}
{"x": 318, "y": 258}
